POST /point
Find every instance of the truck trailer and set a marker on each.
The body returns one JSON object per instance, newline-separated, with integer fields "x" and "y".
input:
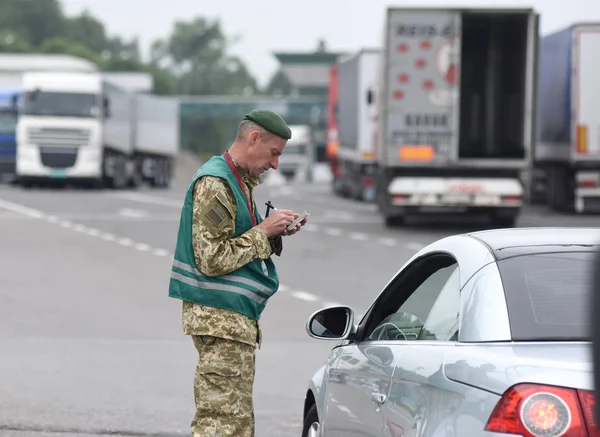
{"x": 455, "y": 118}
{"x": 81, "y": 128}
{"x": 566, "y": 157}
{"x": 357, "y": 75}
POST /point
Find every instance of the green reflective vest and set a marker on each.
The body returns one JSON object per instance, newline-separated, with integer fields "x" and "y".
{"x": 245, "y": 290}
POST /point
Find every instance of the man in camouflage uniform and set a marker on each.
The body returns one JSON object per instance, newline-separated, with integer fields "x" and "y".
{"x": 223, "y": 272}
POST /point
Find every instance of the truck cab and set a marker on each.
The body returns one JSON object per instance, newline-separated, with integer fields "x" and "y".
{"x": 73, "y": 126}
{"x": 299, "y": 155}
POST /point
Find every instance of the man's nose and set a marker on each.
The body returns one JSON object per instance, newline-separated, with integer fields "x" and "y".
{"x": 275, "y": 163}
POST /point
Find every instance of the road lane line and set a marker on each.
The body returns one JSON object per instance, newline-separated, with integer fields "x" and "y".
{"x": 80, "y": 228}
{"x": 146, "y": 198}
{"x": 359, "y": 236}
{"x": 333, "y": 232}
{"x": 21, "y": 209}
{"x": 304, "y": 296}
{"x": 414, "y": 246}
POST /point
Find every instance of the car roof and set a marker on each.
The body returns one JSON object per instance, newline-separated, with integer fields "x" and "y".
{"x": 520, "y": 241}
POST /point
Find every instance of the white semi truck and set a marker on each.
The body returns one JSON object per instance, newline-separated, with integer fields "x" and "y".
{"x": 80, "y": 127}
{"x": 357, "y": 74}
{"x": 456, "y": 104}
{"x": 566, "y": 158}
{"x": 299, "y": 157}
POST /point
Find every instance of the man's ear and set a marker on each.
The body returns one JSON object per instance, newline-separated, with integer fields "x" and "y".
{"x": 254, "y": 137}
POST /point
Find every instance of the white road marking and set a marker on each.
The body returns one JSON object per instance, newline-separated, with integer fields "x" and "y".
{"x": 161, "y": 252}
{"x": 333, "y": 231}
{"x": 414, "y": 246}
{"x": 93, "y": 232}
{"x": 358, "y": 236}
{"x": 125, "y": 242}
{"x": 146, "y": 198}
{"x": 136, "y": 213}
{"x": 21, "y": 209}
{"x": 142, "y": 247}
{"x": 387, "y": 241}
{"x": 304, "y": 296}
{"x": 108, "y": 237}
{"x": 338, "y": 215}
{"x": 310, "y": 227}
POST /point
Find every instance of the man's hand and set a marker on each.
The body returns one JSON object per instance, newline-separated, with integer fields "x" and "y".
{"x": 298, "y": 226}
{"x": 276, "y": 223}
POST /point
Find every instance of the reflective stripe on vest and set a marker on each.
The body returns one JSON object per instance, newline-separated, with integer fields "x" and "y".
{"x": 197, "y": 282}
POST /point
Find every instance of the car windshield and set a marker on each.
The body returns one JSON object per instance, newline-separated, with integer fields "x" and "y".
{"x": 8, "y": 122}
{"x": 60, "y": 104}
{"x": 548, "y": 295}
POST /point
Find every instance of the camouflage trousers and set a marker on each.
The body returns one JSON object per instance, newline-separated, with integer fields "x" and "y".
{"x": 223, "y": 386}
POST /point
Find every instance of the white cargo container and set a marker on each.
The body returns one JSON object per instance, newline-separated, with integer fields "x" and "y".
{"x": 357, "y": 75}
{"x": 456, "y": 112}
{"x": 156, "y": 138}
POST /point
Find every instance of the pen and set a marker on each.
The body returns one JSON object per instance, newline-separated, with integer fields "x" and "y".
{"x": 269, "y": 208}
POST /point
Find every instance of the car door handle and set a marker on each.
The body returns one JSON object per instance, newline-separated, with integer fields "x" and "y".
{"x": 378, "y": 398}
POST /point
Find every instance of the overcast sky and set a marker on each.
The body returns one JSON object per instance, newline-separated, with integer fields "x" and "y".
{"x": 284, "y": 25}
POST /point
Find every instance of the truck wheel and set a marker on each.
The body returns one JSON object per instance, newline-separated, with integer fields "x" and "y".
{"x": 504, "y": 222}
{"x": 311, "y": 423}
{"x": 394, "y": 221}
{"x": 119, "y": 178}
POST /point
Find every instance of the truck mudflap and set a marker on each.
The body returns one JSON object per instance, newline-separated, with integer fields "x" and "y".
{"x": 430, "y": 193}
{"x": 587, "y": 191}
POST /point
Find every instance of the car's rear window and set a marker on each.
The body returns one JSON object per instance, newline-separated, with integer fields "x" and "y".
{"x": 548, "y": 295}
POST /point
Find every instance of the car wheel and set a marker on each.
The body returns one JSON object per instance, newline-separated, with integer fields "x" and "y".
{"x": 311, "y": 423}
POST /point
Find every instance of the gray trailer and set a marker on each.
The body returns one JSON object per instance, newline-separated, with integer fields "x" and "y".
{"x": 566, "y": 158}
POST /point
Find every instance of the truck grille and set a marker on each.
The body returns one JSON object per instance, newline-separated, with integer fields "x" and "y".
{"x": 58, "y": 157}
{"x": 57, "y": 136}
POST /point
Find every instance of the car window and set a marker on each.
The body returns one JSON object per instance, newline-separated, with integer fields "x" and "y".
{"x": 442, "y": 321}
{"x": 407, "y": 321}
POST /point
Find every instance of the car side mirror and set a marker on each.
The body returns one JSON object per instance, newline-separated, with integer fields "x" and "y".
{"x": 333, "y": 323}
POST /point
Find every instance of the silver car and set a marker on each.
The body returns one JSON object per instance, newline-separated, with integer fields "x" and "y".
{"x": 480, "y": 334}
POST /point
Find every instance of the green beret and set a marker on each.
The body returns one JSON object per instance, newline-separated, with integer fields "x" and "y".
{"x": 271, "y": 121}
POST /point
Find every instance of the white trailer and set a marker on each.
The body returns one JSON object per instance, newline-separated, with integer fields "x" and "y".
{"x": 456, "y": 112}
{"x": 156, "y": 140}
{"x": 357, "y": 75}
{"x": 566, "y": 158}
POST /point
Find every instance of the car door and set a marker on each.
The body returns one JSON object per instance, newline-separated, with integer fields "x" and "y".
{"x": 360, "y": 380}
{"x": 421, "y": 399}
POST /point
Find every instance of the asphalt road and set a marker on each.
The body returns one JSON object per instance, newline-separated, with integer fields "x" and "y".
{"x": 91, "y": 344}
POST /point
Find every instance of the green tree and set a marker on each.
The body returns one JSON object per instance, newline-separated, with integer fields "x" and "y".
{"x": 35, "y": 21}
{"x": 196, "y": 52}
{"x": 279, "y": 84}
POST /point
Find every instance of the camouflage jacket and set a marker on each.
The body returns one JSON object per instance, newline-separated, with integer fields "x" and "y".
{"x": 217, "y": 254}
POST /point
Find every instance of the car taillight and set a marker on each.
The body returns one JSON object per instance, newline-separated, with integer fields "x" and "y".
{"x": 534, "y": 410}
